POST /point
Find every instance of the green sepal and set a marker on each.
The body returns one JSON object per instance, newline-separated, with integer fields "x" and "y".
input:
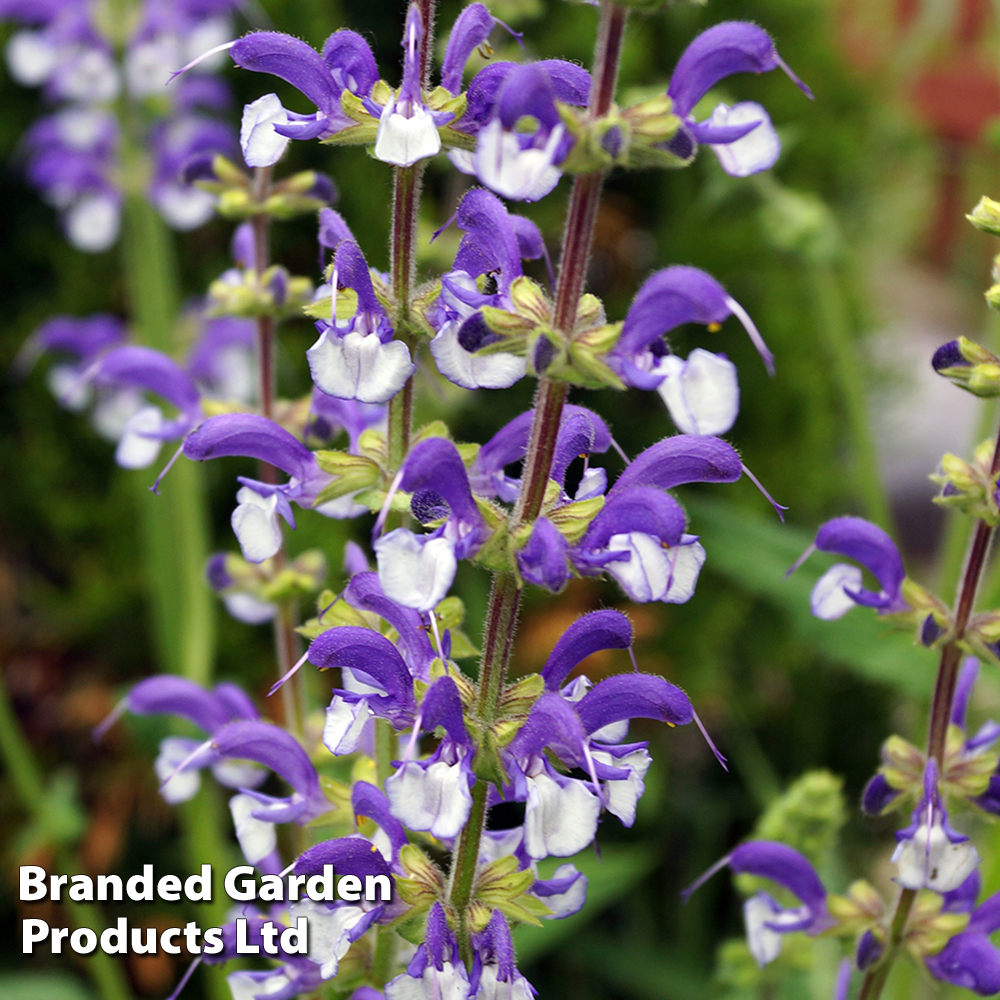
{"x": 518, "y": 699}
{"x": 299, "y": 578}
{"x": 353, "y": 472}
{"x": 573, "y": 519}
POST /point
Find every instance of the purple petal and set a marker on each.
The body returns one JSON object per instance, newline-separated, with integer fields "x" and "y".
{"x": 639, "y": 508}
{"x": 472, "y": 27}
{"x": 683, "y": 458}
{"x": 949, "y": 356}
{"x": 727, "y": 48}
{"x": 970, "y": 961}
{"x": 143, "y": 368}
{"x": 367, "y": 800}
{"x": 442, "y": 706}
{"x": 349, "y": 58}
{"x": 179, "y": 696}
{"x": 989, "y": 801}
{"x": 435, "y": 465}
{"x": 291, "y": 60}
{"x": 869, "y": 951}
{"x": 530, "y": 244}
{"x": 570, "y": 82}
{"x": 986, "y": 917}
{"x": 633, "y": 696}
{"x": 669, "y": 298}
{"x": 252, "y": 436}
{"x": 495, "y": 946}
{"x": 878, "y": 796}
{"x": 352, "y": 272}
{"x": 528, "y": 90}
{"x": 274, "y": 748}
{"x": 963, "y": 690}
{"x": 348, "y": 855}
{"x": 543, "y": 560}
{"x": 783, "y": 865}
{"x": 867, "y": 544}
{"x": 489, "y": 243}
{"x": 553, "y": 722}
{"x": 371, "y": 657}
{"x": 963, "y": 899}
{"x": 581, "y": 432}
{"x": 365, "y": 593}
{"x": 595, "y": 631}
{"x": 333, "y": 230}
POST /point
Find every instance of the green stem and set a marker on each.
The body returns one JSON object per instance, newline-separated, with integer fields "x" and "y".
{"x": 29, "y": 783}
{"x": 505, "y": 597}
{"x": 175, "y": 524}
{"x": 940, "y": 716}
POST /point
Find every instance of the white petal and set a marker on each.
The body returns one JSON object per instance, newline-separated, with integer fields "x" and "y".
{"x": 490, "y": 988}
{"x": 471, "y": 371}
{"x": 929, "y": 860}
{"x": 463, "y": 160}
{"x": 261, "y": 145}
{"x": 402, "y": 141}
{"x": 412, "y": 572}
{"x": 238, "y": 773}
{"x": 255, "y": 523}
{"x": 448, "y": 983}
{"x": 31, "y": 58}
{"x": 329, "y": 940}
{"x": 360, "y": 366}
{"x": 435, "y": 798}
{"x": 757, "y": 150}
{"x": 136, "y": 450}
{"x": 764, "y": 943}
{"x": 702, "y": 393}
{"x": 559, "y": 821}
{"x": 70, "y": 389}
{"x": 257, "y": 838}
{"x": 621, "y": 797}
{"x": 184, "y": 207}
{"x": 345, "y": 721}
{"x": 148, "y": 65}
{"x": 247, "y": 985}
{"x": 829, "y": 599}
{"x": 565, "y": 904}
{"x": 249, "y": 609}
{"x": 685, "y": 561}
{"x": 593, "y": 483}
{"x": 184, "y": 785}
{"x": 92, "y": 222}
{"x": 645, "y": 574}
{"x": 113, "y": 410}
{"x": 342, "y": 508}
{"x": 524, "y": 175}
{"x": 90, "y": 77}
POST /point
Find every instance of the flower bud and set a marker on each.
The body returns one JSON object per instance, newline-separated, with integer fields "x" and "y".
{"x": 986, "y": 216}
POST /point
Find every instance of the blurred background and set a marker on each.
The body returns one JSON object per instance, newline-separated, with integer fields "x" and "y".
{"x": 855, "y": 261}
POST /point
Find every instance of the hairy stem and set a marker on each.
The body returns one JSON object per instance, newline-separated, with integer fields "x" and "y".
{"x": 940, "y": 717}
{"x": 505, "y": 597}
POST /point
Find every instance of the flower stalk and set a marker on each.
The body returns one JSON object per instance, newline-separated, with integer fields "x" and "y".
{"x": 940, "y": 716}
{"x": 505, "y": 595}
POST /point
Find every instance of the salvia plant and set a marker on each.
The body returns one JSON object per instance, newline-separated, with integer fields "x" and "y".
{"x": 417, "y": 744}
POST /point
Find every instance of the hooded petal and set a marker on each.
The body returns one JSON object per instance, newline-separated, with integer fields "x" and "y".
{"x": 543, "y": 561}
{"x": 633, "y": 696}
{"x": 637, "y": 509}
{"x": 472, "y": 27}
{"x": 349, "y": 59}
{"x": 252, "y": 436}
{"x": 867, "y": 544}
{"x": 275, "y": 749}
{"x": 143, "y": 368}
{"x": 724, "y": 49}
{"x": 683, "y": 458}
{"x": 291, "y": 60}
{"x": 970, "y": 961}
{"x": 595, "y": 631}
{"x": 781, "y": 864}
{"x": 348, "y": 855}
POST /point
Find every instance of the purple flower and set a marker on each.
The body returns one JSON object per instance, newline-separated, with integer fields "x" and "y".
{"x": 668, "y": 299}
{"x": 970, "y": 959}
{"x": 436, "y": 971}
{"x": 840, "y": 588}
{"x": 929, "y": 853}
{"x": 221, "y": 361}
{"x": 357, "y": 358}
{"x": 521, "y": 165}
{"x": 766, "y": 919}
{"x": 742, "y": 136}
{"x": 417, "y": 570}
{"x": 255, "y": 520}
{"x": 493, "y": 245}
{"x": 494, "y": 975}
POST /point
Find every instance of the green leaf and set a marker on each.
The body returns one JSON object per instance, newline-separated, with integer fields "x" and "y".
{"x": 43, "y": 986}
